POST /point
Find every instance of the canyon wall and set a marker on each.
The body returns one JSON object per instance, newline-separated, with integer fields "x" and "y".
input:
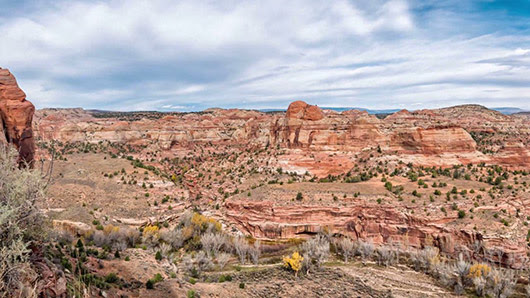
{"x": 426, "y": 137}
{"x": 267, "y": 220}
{"x": 306, "y": 126}
{"x": 217, "y": 126}
{"x": 16, "y": 114}
{"x": 302, "y": 126}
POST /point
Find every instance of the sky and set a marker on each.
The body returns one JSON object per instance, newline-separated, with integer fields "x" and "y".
{"x": 130, "y": 55}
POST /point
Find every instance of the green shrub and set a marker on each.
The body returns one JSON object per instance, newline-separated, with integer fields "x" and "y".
{"x": 111, "y": 278}
{"x": 158, "y": 278}
{"x": 224, "y": 278}
{"x": 94, "y": 280}
{"x": 79, "y": 244}
{"x": 66, "y": 264}
{"x": 21, "y": 222}
{"x": 151, "y": 282}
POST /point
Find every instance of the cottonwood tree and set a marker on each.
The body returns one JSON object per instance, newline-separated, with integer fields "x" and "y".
{"x": 222, "y": 260}
{"x": 188, "y": 264}
{"x": 365, "y": 250}
{"x": 212, "y": 243}
{"x": 316, "y": 252}
{"x": 255, "y": 252}
{"x": 422, "y": 260}
{"x": 174, "y": 238}
{"x": 241, "y": 246}
{"x": 203, "y": 261}
{"x": 346, "y": 247}
{"x": 386, "y": 256}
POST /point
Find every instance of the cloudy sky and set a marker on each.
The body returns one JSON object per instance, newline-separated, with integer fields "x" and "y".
{"x": 191, "y": 55}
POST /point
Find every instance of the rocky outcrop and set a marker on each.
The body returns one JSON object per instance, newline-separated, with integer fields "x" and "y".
{"x": 310, "y": 128}
{"x": 306, "y": 126}
{"x": 217, "y": 126}
{"x": 433, "y": 140}
{"x": 16, "y": 115}
{"x": 52, "y": 281}
{"x": 505, "y": 138}
{"x": 427, "y": 137}
{"x": 267, "y": 220}
{"x": 303, "y": 111}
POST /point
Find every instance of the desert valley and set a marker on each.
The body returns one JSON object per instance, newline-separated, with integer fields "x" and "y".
{"x": 243, "y": 203}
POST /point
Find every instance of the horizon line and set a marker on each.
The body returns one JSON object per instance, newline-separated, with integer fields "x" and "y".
{"x": 276, "y": 109}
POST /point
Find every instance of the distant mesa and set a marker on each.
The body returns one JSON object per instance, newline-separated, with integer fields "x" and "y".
{"x": 435, "y": 137}
{"x": 16, "y": 116}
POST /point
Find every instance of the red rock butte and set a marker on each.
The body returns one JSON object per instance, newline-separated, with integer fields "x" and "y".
{"x": 16, "y": 116}
{"x": 304, "y": 111}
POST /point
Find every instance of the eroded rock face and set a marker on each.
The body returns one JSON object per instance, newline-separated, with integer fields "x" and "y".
{"x": 427, "y": 137}
{"x": 16, "y": 115}
{"x": 217, "y": 126}
{"x": 266, "y": 220}
{"x": 303, "y": 111}
{"x": 432, "y": 140}
{"x": 309, "y": 127}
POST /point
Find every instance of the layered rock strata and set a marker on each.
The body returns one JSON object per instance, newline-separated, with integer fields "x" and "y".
{"x": 16, "y": 115}
{"x": 426, "y": 137}
{"x": 266, "y": 220}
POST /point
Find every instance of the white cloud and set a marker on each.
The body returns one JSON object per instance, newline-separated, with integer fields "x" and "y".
{"x": 163, "y": 54}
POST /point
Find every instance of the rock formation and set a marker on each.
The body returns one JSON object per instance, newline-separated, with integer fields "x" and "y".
{"x": 267, "y": 220}
{"x": 325, "y": 142}
{"x": 306, "y": 126}
{"x": 427, "y": 137}
{"x": 303, "y": 111}
{"x": 16, "y": 115}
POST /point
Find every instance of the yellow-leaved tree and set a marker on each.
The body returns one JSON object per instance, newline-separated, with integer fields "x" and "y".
{"x": 293, "y": 262}
{"x": 479, "y": 270}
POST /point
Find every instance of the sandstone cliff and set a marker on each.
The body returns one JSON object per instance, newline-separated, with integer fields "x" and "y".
{"x": 267, "y": 220}
{"x": 16, "y": 114}
{"x": 308, "y": 133}
{"x": 306, "y": 126}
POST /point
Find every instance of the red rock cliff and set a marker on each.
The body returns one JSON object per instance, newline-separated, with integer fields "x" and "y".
{"x": 427, "y": 137}
{"x": 267, "y": 220}
{"x": 16, "y": 115}
{"x": 307, "y": 126}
